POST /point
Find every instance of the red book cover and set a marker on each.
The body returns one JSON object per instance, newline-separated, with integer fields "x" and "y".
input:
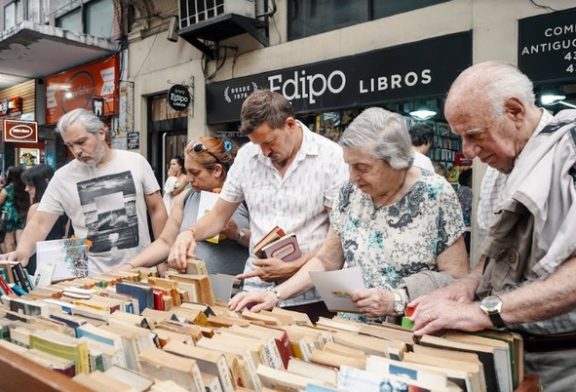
{"x": 285, "y": 248}
{"x": 158, "y": 300}
{"x": 7, "y": 290}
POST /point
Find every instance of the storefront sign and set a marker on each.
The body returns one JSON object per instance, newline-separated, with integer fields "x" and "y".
{"x": 547, "y": 46}
{"x": 133, "y": 140}
{"x": 80, "y": 87}
{"x": 11, "y": 106}
{"x": 419, "y": 69}
{"x": 178, "y": 97}
{"x": 20, "y": 131}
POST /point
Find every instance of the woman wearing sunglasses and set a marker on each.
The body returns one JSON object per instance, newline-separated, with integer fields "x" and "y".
{"x": 207, "y": 162}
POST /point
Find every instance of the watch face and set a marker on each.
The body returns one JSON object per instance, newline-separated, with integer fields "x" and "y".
{"x": 491, "y": 303}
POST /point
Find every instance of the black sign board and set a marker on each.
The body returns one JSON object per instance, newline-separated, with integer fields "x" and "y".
{"x": 420, "y": 69}
{"x": 178, "y": 97}
{"x": 547, "y": 46}
{"x": 133, "y": 140}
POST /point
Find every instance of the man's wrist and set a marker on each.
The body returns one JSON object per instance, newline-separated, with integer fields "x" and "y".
{"x": 191, "y": 231}
{"x": 241, "y": 235}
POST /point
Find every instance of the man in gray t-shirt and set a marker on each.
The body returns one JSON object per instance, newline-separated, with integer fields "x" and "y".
{"x": 105, "y": 192}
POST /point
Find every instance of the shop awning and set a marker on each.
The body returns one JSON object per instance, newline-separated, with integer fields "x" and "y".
{"x": 30, "y": 50}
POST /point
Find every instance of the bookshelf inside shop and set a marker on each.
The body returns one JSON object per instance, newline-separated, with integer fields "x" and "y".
{"x": 175, "y": 333}
{"x": 444, "y": 147}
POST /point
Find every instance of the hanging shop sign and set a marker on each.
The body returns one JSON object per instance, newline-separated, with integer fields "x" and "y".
{"x": 11, "y": 106}
{"x": 80, "y": 87}
{"x": 178, "y": 97}
{"x": 16, "y": 131}
{"x": 547, "y": 46}
{"x": 419, "y": 69}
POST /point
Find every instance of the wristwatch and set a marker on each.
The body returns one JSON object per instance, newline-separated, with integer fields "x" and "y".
{"x": 399, "y": 302}
{"x": 492, "y": 306}
{"x": 241, "y": 235}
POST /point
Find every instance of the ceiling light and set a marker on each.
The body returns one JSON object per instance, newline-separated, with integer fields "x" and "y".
{"x": 422, "y": 114}
{"x": 553, "y": 99}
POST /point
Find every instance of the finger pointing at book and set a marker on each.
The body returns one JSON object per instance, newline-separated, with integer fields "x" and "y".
{"x": 270, "y": 269}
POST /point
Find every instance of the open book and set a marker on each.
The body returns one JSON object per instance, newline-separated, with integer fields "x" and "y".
{"x": 66, "y": 258}
{"x": 276, "y": 243}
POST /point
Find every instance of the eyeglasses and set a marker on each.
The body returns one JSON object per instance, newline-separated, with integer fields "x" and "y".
{"x": 200, "y": 147}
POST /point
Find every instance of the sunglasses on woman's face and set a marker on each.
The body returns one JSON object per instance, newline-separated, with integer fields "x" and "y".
{"x": 199, "y": 147}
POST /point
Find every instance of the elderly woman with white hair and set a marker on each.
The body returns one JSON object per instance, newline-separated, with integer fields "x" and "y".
{"x": 402, "y": 226}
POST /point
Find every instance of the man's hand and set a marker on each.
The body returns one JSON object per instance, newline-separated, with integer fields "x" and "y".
{"x": 374, "y": 302}
{"x": 14, "y": 256}
{"x": 445, "y": 314}
{"x": 254, "y": 301}
{"x": 461, "y": 290}
{"x": 182, "y": 249}
{"x": 270, "y": 270}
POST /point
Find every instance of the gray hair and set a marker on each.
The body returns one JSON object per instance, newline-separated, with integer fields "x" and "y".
{"x": 495, "y": 82}
{"x": 383, "y": 134}
{"x": 88, "y": 119}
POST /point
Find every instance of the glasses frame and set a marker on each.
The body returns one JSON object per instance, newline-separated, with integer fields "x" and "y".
{"x": 200, "y": 147}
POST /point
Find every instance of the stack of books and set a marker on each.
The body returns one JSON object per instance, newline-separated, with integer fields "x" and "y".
{"x": 114, "y": 338}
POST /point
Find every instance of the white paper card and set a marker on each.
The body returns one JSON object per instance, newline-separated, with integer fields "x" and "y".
{"x": 207, "y": 202}
{"x": 336, "y": 287}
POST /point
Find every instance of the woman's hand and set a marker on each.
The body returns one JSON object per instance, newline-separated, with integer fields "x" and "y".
{"x": 374, "y": 302}
{"x": 254, "y": 301}
{"x": 182, "y": 249}
{"x": 231, "y": 230}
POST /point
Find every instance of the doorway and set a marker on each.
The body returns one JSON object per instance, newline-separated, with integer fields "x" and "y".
{"x": 167, "y": 135}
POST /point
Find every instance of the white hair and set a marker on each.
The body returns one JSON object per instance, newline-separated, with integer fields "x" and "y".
{"x": 88, "y": 119}
{"x": 495, "y": 82}
{"x": 383, "y": 134}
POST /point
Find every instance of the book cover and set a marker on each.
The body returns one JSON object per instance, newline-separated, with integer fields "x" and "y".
{"x": 69, "y": 257}
{"x": 285, "y": 248}
{"x": 274, "y": 234}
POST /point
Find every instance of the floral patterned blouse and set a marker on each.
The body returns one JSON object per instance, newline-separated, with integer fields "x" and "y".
{"x": 391, "y": 242}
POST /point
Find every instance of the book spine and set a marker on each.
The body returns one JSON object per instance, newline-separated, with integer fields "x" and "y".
{"x": 224, "y": 375}
{"x": 5, "y": 286}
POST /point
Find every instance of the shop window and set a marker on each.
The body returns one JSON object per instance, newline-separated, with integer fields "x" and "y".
{"x": 71, "y": 21}
{"x": 392, "y": 7}
{"x": 99, "y": 17}
{"x": 94, "y": 18}
{"x": 12, "y": 14}
{"x": 310, "y": 17}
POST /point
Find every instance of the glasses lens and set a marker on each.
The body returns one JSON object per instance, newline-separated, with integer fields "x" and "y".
{"x": 199, "y": 147}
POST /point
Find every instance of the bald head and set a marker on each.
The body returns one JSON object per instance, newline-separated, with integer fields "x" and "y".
{"x": 491, "y": 105}
{"x": 486, "y": 86}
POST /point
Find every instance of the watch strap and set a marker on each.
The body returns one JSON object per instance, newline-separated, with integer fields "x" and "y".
{"x": 496, "y": 319}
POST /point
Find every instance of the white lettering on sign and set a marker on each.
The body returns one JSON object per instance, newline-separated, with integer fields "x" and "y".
{"x": 308, "y": 86}
{"x": 21, "y": 131}
{"x": 176, "y": 98}
{"x": 394, "y": 81}
{"x": 545, "y": 47}
{"x": 559, "y": 30}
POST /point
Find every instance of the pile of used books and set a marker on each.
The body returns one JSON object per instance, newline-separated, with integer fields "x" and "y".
{"x": 135, "y": 331}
